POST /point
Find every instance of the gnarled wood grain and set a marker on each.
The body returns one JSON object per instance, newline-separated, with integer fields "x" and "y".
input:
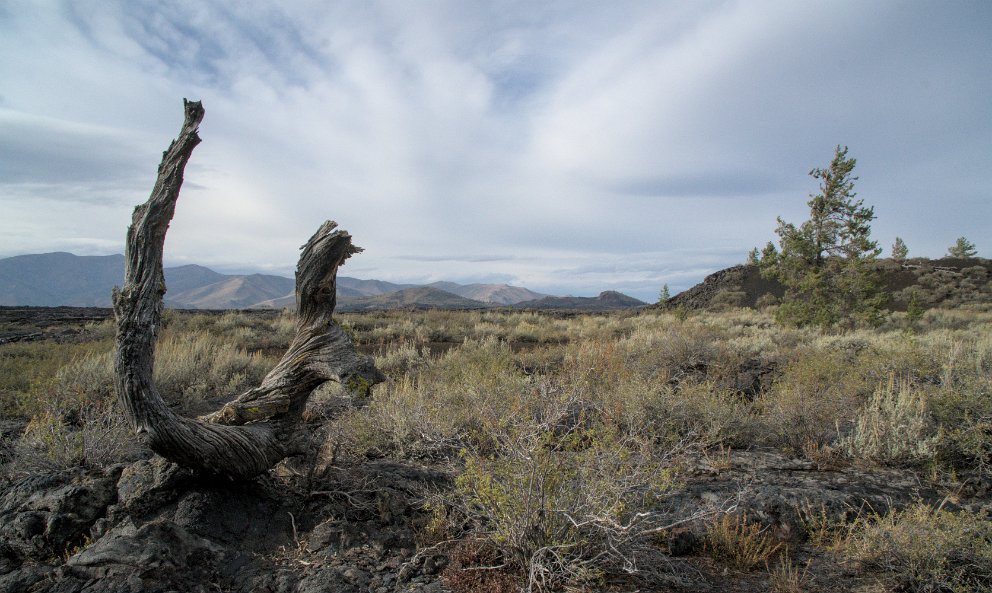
{"x": 255, "y": 431}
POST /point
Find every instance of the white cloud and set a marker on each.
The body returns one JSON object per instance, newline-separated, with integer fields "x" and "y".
{"x": 571, "y": 147}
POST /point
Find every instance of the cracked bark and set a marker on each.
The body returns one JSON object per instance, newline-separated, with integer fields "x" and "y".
{"x": 263, "y": 425}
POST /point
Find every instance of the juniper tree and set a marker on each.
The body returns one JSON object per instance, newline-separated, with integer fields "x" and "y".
{"x": 664, "y": 295}
{"x": 962, "y": 248}
{"x": 827, "y": 263}
{"x": 899, "y": 250}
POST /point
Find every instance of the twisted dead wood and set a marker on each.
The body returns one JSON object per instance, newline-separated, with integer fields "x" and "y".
{"x": 262, "y": 426}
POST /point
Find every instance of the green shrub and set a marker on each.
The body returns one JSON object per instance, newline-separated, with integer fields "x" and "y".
{"x": 190, "y": 368}
{"x": 767, "y": 300}
{"x": 926, "y": 550}
{"x": 728, "y": 299}
{"x": 27, "y": 371}
{"x": 812, "y": 401}
{"x": 701, "y": 414}
{"x": 96, "y": 435}
{"x": 551, "y": 503}
{"x": 893, "y": 427}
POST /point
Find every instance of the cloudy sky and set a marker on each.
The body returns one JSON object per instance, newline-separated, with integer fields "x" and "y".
{"x": 570, "y": 147}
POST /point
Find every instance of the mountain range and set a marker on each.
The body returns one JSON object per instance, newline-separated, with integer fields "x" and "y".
{"x": 64, "y": 279}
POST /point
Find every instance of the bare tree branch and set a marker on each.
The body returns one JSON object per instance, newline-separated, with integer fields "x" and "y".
{"x": 258, "y": 429}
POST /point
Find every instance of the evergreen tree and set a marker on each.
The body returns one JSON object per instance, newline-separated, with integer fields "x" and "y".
{"x": 914, "y": 308}
{"x": 753, "y": 257}
{"x": 899, "y": 250}
{"x": 827, "y": 263}
{"x": 664, "y": 295}
{"x": 962, "y": 248}
{"x": 769, "y": 255}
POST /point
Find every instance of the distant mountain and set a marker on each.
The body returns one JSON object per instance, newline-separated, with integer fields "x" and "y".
{"x": 284, "y": 302}
{"x": 232, "y": 292}
{"x": 53, "y": 279}
{"x": 606, "y": 301}
{"x": 420, "y": 297}
{"x": 64, "y": 279}
{"x": 184, "y": 278}
{"x": 497, "y": 294}
{"x": 353, "y": 287}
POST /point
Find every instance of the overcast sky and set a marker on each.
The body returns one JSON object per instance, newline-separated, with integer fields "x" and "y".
{"x": 569, "y": 147}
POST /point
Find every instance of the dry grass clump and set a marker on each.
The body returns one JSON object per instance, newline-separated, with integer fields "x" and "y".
{"x": 192, "y": 367}
{"x": 740, "y": 543}
{"x": 28, "y": 369}
{"x": 95, "y": 435}
{"x": 65, "y": 391}
{"x": 787, "y": 577}
{"x": 460, "y": 398}
{"x": 926, "y": 550}
{"x": 476, "y": 567}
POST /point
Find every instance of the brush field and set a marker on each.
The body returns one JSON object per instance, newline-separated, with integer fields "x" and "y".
{"x": 651, "y": 451}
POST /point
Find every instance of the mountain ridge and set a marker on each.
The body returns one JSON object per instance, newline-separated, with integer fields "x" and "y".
{"x": 64, "y": 279}
{"x": 609, "y": 300}
{"x": 944, "y": 282}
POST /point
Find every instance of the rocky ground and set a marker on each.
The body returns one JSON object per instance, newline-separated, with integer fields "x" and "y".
{"x": 152, "y": 526}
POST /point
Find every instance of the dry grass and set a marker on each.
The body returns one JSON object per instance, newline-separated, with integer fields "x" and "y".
{"x": 566, "y": 431}
{"x": 740, "y": 543}
{"x": 788, "y": 577}
{"x": 926, "y": 550}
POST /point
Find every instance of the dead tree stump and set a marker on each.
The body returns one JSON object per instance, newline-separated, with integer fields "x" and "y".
{"x": 263, "y": 425}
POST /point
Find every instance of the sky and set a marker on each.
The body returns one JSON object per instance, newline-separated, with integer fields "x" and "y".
{"x": 569, "y": 147}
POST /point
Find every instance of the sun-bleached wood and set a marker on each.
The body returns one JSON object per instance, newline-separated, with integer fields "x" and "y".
{"x": 263, "y": 425}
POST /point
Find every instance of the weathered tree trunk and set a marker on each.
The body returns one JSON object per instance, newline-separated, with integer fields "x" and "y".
{"x": 262, "y": 426}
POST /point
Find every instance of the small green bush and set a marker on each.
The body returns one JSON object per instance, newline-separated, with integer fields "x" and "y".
{"x": 190, "y": 368}
{"x": 894, "y": 427}
{"x": 94, "y": 436}
{"x": 927, "y": 550}
{"x": 812, "y": 400}
{"x": 552, "y": 502}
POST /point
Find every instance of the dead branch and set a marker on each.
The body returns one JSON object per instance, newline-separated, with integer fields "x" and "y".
{"x": 261, "y": 427}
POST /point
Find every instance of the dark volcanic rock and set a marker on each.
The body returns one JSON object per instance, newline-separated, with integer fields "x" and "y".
{"x": 780, "y": 492}
{"x": 606, "y": 301}
{"x": 945, "y": 282}
{"x": 737, "y": 286}
{"x": 145, "y": 486}
{"x": 21, "y": 579}
{"x": 158, "y": 556}
{"x": 152, "y": 526}
{"x": 45, "y": 515}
